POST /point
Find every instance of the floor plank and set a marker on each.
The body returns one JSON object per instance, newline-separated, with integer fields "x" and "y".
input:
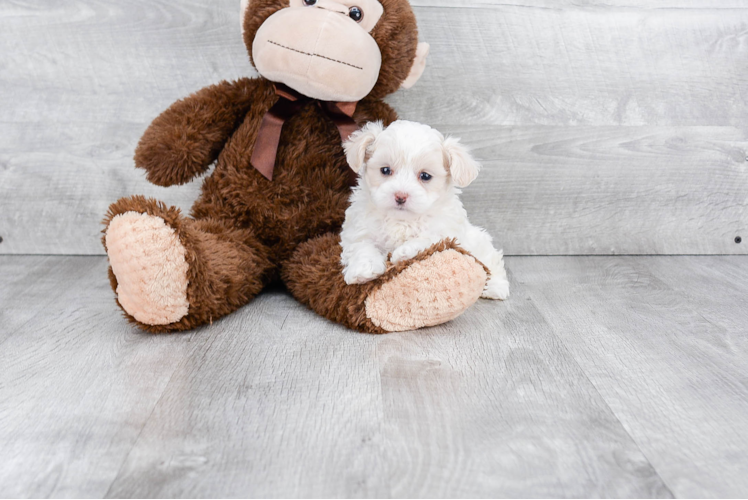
{"x": 31, "y": 283}
{"x": 666, "y": 352}
{"x": 601, "y": 376}
{"x": 398, "y": 416}
{"x": 77, "y": 382}
{"x": 280, "y": 404}
{"x": 493, "y": 405}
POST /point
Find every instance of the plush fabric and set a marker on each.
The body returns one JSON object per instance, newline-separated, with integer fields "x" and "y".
{"x": 246, "y": 231}
{"x": 150, "y": 262}
{"x": 434, "y": 287}
{"x": 446, "y": 292}
{"x": 396, "y": 35}
{"x": 332, "y": 71}
{"x": 227, "y": 265}
{"x": 419, "y": 65}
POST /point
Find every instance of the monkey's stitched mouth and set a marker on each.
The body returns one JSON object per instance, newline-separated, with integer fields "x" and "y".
{"x": 315, "y": 55}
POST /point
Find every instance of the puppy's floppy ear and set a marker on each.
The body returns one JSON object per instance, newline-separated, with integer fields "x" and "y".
{"x": 358, "y": 143}
{"x": 462, "y": 166}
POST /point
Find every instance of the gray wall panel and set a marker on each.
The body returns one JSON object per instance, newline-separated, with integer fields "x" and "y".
{"x": 615, "y": 127}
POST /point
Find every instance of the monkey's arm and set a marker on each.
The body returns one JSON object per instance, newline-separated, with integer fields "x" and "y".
{"x": 186, "y": 138}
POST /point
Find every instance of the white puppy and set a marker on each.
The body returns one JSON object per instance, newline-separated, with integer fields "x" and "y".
{"x": 407, "y": 200}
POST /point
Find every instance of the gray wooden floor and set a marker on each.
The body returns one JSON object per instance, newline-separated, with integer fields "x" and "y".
{"x": 601, "y": 376}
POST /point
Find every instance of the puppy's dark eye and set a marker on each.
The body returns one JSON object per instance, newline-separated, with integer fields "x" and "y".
{"x": 425, "y": 177}
{"x": 355, "y": 13}
{"x": 309, "y": 3}
{"x": 386, "y": 170}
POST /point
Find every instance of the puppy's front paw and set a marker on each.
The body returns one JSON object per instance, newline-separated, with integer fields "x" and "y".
{"x": 363, "y": 270}
{"x": 408, "y": 250}
{"x": 496, "y": 289}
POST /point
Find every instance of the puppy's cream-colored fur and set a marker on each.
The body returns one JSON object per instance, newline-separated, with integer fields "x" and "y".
{"x": 407, "y": 200}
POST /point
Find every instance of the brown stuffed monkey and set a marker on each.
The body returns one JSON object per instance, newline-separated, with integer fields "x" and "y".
{"x": 273, "y": 206}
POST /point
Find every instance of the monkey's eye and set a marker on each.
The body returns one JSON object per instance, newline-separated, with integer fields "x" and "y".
{"x": 309, "y": 3}
{"x": 425, "y": 177}
{"x": 354, "y": 12}
{"x": 386, "y": 170}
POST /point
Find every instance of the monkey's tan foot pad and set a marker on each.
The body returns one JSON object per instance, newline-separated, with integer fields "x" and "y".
{"x": 429, "y": 292}
{"x": 149, "y": 262}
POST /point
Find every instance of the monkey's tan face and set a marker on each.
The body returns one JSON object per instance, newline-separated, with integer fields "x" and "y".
{"x": 321, "y": 48}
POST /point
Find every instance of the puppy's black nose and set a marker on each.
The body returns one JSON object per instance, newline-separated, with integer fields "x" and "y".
{"x": 401, "y": 198}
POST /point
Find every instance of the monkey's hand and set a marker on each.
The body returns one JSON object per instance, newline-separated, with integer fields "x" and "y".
{"x": 186, "y": 138}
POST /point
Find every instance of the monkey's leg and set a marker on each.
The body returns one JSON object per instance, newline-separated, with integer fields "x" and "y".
{"x": 436, "y": 286}
{"x": 172, "y": 273}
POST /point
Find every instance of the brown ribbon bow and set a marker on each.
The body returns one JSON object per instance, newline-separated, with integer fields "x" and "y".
{"x": 289, "y": 103}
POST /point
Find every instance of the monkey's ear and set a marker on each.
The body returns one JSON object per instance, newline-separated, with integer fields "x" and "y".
{"x": 419, "y": 64}
{"x": 356, "y": 147}
{"x": 245, "y": 6}
{"x": 462, "y": 166}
